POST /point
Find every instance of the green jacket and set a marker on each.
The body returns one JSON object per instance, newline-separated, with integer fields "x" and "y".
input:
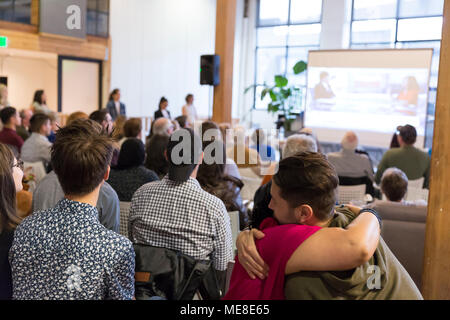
{"x": 357, "y": 284}
{"x": 412, "y": 161}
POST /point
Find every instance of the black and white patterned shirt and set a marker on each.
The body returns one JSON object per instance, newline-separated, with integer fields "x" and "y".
{"x": 182, "y": 216}
{"x": 65, "y": 253}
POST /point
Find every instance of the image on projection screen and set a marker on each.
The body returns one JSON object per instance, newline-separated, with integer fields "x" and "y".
{"x": 367, "y": 99}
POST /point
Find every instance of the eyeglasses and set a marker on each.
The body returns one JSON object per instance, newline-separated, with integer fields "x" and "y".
{"x": 19, "y": 164}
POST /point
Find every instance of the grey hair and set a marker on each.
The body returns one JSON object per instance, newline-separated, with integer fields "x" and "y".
{"x": 299, "y": 143}
{"x": 350, "y": 141}
{"x": 161, "y": 126}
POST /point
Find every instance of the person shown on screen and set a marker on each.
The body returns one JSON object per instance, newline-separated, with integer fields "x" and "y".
{"x": 410, "y": 91}
{"x": 323, "y": 90}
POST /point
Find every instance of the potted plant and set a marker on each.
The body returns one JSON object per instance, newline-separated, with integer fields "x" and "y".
{"x": 284, "y": 98}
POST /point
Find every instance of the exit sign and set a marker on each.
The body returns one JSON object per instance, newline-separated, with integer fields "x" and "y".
{"x": 3, "y": 42}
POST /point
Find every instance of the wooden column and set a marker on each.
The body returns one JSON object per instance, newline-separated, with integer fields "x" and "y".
{"x": 35, "y": 12}
{"x": 225, "y": 32}
{"x": 436, "y": 274}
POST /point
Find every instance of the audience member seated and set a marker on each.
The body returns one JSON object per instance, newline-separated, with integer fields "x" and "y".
{"x": 266, "y": 152}
{"x": 213, "y": 179}
{"x": 177, "y": 214}
{"x": 161, "y": 126}
{"x": 404, "y": 227}
{"x": 296, "y": 239}
{"x": 132, "y": 128}
{"x": 11, "y": 182}
{"x": 39, "y": 104}
{"x": 64, "y": 253}
{"x": 231, "y": 168}
{"x": 130, "y": 174}
{"x": 352, "y": 168}
{"x": 247, "y": 160}
{"x": 24, "y": 129}
{"x": 155, "y": 158}
{"x": 118, "y": 133}
{"x": 294, "y": 144}
{"x": 104, "y": 118}
{"x": 182, "y": 121}
{"x": 76, "y": 115}
{"x": 10, "y": 119}
{"x": 162, "y": 111}
{"x": 305, "y": 187}
{"x": 37, "y": 147}
{"x": 54, "y": 127}
{"x": 412, "y": 161}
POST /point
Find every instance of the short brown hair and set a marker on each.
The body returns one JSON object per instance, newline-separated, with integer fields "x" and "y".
{"x": 76, "y": 115}
{"x": 308, "y": 178}
{"x": 37, "y": 121}
{"x": 394, "y": 184}
{"x": 81, "y": 155}
{"x": 132, "y": 127}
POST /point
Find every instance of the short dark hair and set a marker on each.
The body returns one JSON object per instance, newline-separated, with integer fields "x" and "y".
{"x": 38, "y": 96}
{"x": 37, "y": 120}
{"x": 156, "y": 159}
{"x": 308, "y": 178}
{"x": 98, "y": 116}
{"x": 190, "y": 95}
{"x": 132, "y": 127}
{"x": 408, "y": 134}
{"x": 181, "y": 121}
{"x": 7, "y": 113}
{"x": 394, "y": 184}
{"x": 81, "y": 155}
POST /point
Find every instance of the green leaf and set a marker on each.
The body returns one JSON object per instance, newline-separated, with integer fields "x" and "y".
{"x": 286, "y": 93}
{"x": 249, "y": 88}
{"x": 273, "y": 107}
{"x": 273, "y": 95}
{"x": 300, "y": 67}
{"x": 264, "y": 92}
{"x": 281, "y": 81}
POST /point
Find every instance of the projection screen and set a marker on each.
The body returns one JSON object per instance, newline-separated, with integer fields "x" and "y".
{"x": 368, "y": 91}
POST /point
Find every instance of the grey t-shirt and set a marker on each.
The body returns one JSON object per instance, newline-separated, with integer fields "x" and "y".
{"x": 49, "y": 192}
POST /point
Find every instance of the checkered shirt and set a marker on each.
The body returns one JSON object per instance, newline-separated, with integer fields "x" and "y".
{"x": 182, "y": 216}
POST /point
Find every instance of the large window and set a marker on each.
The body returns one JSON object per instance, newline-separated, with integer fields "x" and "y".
{"x": 98, "y": 18}
{"x": 399, "y": 24}
{"x": 286, "y": 31}
{"x": 402, "y": 24}
{"x": 16, "y": 11}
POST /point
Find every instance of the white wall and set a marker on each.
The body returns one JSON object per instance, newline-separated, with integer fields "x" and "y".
{"x": 156, "y": 49}
{"x": 28, "y": 71}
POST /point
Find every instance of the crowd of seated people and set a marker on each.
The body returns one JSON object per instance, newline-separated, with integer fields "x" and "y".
{"x": 95, "y": 163}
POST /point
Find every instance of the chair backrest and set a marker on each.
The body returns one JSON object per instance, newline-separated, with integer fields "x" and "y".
{"x": 124, "y": 213}
{"x": 346, "y": 194}
{"x": 351, "y": 181}
{"x": 404, "y": 233}
{"x": 251, "y": 185}
{"x": 235, "y": 227}
{"x": 38, "y": 170}
{"x": 414, "y": 194}
{"x": 418, "y": 183}
{"x": 229, "y": 273}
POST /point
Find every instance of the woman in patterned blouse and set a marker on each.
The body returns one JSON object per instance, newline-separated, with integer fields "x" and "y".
{"x": 10, "y": 182}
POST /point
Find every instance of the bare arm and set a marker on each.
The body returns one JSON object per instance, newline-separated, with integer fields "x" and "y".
{"x": 336, "y": 248}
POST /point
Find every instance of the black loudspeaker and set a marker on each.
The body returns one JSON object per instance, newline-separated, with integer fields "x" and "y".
{"x": 4, "y": 80}
{"x": 209, "y": 69}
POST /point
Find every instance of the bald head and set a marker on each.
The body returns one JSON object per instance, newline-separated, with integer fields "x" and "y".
{"x": 162, "y": 126}
{"x": 350, "y": 141}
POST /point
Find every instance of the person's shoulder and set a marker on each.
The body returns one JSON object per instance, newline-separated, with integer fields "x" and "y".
{"x": 211, "y": 201}
{"x": 30, "y": 223}
{"x": 333, "y": 155}
{"x": 107, "y": 191}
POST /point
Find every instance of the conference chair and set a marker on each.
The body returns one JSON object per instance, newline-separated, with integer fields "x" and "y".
{"x": 347, "y": 194}
{"x": 414, "y": 194}
{"x": 418, "y": 183}
{"x": 235, "y": 227}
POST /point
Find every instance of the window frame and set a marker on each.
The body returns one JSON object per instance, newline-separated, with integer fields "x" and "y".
{"x": 13, "y": 7}
{"x": 286, "y": 47}
{"x": 98, "y": 12}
